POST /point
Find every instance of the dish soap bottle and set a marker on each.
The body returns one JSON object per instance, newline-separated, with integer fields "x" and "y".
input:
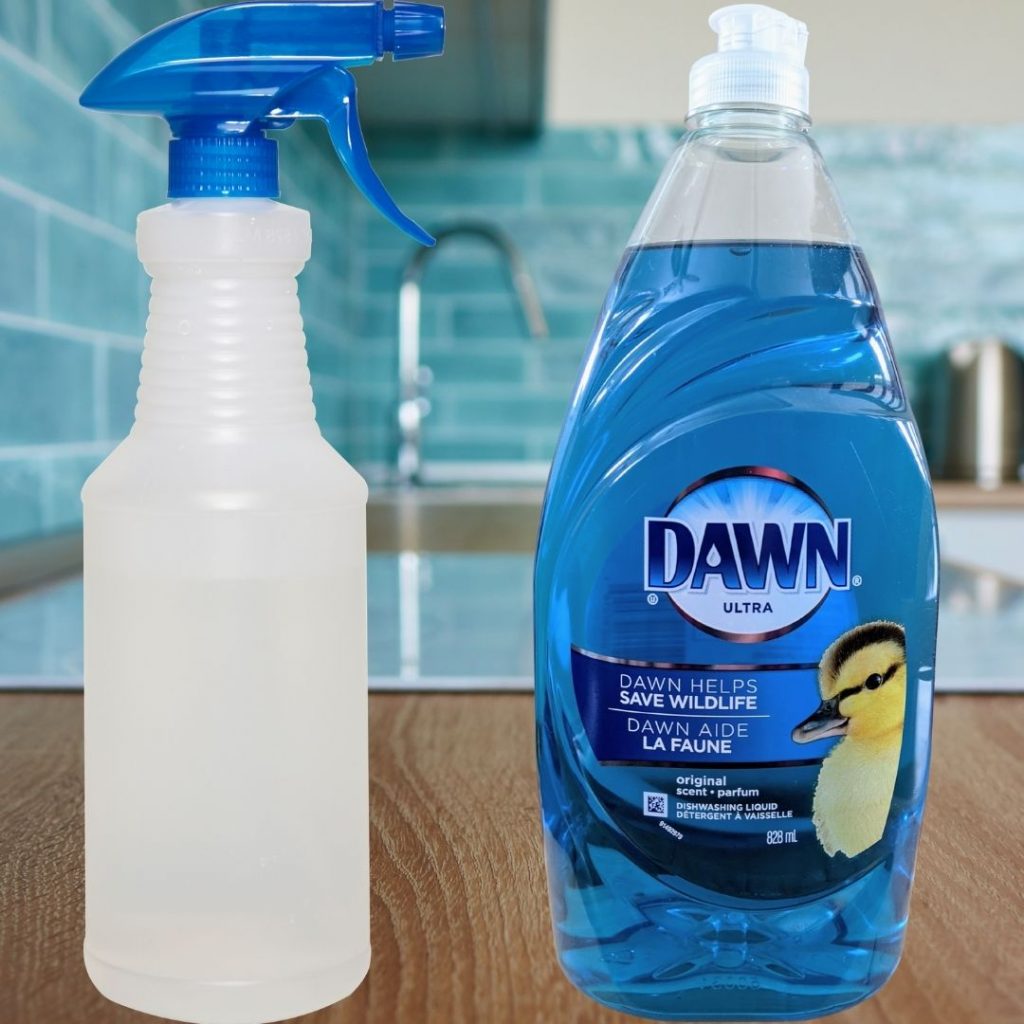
{"x": 227, "y": 824}
{"x": 736, "y": 587}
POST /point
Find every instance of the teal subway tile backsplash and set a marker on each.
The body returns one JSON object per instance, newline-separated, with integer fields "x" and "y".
{"x": 84, "y": 36}
{"x": 113, "y": 300}
{"x": 503, "y": 408}
{"x": 65, "y": 475}
{"x": 495, "y": 361}
{"x": 19, "y": 256}
{"x": 328, "y": 360}
{"x": 46, "y": 397}
{"x": 120, "y": 371}
{"x": 19, "y": 24}
{"x": 25, "y": 492}
{"x": 482, "y": 321}
{"x": 504, "y": 186}
{"x": 608, "y": 189}
{"x": 940, "y": 211}
{"x": 40, "y": 111}
{"x": 484, "y": 445}
{"x": 128, "y": 180}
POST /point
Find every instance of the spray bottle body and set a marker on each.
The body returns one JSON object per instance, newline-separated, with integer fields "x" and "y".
{"x": 738, "y": 527}
{"x": 227, "y": 818}
{"x": 226, "y": 748}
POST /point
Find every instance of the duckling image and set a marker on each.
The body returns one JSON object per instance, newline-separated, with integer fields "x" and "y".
{"x": 863, "y": 681}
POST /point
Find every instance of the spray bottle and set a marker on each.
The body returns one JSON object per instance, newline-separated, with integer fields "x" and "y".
{"x": 226, "y": 802}
{"x": 736, "y": 586}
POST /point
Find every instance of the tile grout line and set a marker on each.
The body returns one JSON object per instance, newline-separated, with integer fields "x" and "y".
{"x": 47, "y": 472}
{"x": 101, "y": 391}
{"x": 69, "y": 214}
{"x": 44, "y": 29}
{"x": 52, "y": 450}
{"x": 42, "y": 232}
{"x": 69, "y": 332}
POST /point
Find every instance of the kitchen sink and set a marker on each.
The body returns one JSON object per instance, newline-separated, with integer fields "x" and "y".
{"x": 465, "y": 519}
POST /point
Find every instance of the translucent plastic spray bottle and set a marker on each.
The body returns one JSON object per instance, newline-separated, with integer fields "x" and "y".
{"x": 736, "y": 587}
{"x": 227, "y": 831}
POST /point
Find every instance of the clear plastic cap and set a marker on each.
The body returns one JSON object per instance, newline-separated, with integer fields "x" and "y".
{"x": 760, "y": 60}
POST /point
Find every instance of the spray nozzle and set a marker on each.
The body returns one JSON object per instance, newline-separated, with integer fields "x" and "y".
{"x": 224, "y": 76}
{"x": 760, "y": 61}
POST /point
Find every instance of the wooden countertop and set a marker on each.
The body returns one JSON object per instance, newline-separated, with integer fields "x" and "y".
{"x": 961, "y": 494}
{"x": 460, "y": 919}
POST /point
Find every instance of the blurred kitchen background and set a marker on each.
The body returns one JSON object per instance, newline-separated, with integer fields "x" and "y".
{"x": 536, "y": 140}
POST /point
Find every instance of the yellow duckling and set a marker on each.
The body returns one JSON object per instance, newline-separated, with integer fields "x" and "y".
{"x": 863, "y": 683}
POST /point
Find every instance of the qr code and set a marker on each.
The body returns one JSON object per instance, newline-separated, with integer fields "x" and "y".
{"x": 655, "y": 805}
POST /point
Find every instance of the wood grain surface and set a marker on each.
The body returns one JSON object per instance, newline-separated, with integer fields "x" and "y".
{"x": 962, "y": 494}
{"x": 460, "y": 920}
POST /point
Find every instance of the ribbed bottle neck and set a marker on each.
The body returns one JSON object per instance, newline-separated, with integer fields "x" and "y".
{"x": 753, "y": 117}
{"x": 224, "y": 355}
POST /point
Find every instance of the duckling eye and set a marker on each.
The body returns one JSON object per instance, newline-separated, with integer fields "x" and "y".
{"x": 873, "y": 681}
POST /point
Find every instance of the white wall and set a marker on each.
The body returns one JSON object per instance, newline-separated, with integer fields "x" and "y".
{"x": 870, "y": 60}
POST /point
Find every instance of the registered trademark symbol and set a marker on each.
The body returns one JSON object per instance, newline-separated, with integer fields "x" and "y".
{"x": 857, "y": 581}
{"x": 652, "y": 598}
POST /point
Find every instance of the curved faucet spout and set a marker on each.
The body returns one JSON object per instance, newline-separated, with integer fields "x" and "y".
{"x": 413, "y": 405}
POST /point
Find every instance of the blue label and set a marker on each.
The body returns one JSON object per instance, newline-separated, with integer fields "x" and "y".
{"x": 650, "y": 713}
{"x": 726, "y": 656}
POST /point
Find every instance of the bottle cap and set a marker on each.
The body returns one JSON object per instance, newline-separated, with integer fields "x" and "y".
{"x": 760, "y": 61}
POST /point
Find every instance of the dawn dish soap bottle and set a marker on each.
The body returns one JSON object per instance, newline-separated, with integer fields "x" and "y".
{"x": 736, "y": 587}
{"x": 226, "y": 782}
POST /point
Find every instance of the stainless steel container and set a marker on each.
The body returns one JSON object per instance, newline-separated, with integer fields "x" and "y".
{"x": 985, "y": 413}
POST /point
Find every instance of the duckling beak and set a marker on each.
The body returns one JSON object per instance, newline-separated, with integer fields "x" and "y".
{"x": 826, "y": 721}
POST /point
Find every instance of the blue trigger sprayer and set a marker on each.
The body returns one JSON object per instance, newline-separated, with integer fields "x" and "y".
{"x": 227, "y": 825}
{"x": 225, "y": 76}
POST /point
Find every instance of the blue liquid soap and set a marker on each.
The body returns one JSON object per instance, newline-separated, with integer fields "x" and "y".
{"x": 754, "y": 354}
{"x": 736, "y": 591}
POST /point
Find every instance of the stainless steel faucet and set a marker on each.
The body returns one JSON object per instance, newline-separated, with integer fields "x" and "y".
{"x": 414, "y": 378}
